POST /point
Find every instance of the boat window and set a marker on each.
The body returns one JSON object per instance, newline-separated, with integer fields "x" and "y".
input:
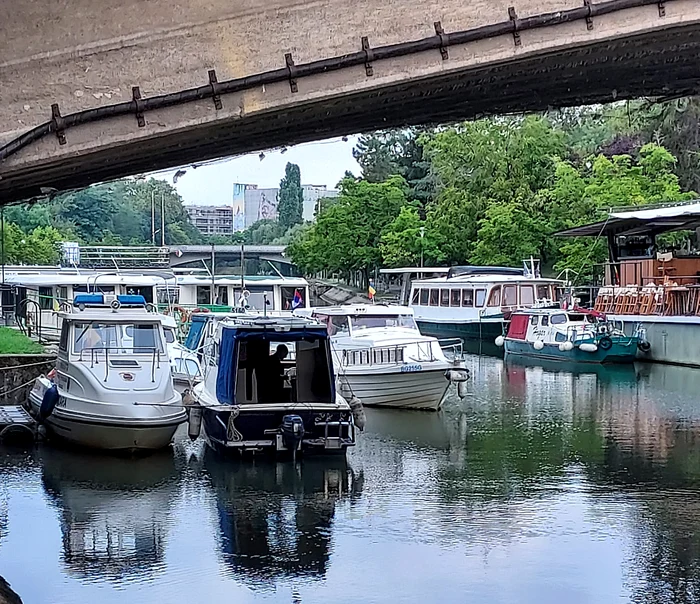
{"x": 479, "y": 297}
{"x": 63, "y": 343}
{"x": 139, "y": 338}
{"x": 46, "y": 298}
{"x": 424, "y": 293}
{"x": 559, "y": 336}
{"x": 557, "y": 293}
{"x": 467, "y": 297}
{"x": 188, "y": 367}
{"x": 534, "y": 320}
{"x": 545, "y": 321}
{"x": 495, "y": 296}
{"x": 543, "y": 292}
{"x": 203, "y": 294}
{"x": 434, "y": 297}
{"x": 415, "y": 296}
{"x": 558, "y": 319}
{"x": 167, "y": 294}
{"x": 510, "y": 295}
{"x": 169, "y": 335}
{"x": 527, "y": 295}
{"x": 367, "y": 321}
{"x": 336, "y": 324}
{"x": 444, "y": 297}
{"x": 455, "y": 297}
{"x": 577, "y": 317}
{"x": 300, "y": 373}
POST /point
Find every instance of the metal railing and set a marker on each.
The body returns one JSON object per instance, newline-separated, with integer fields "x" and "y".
{"x": 96, "y": 350}
{"x": 385, "y": 355}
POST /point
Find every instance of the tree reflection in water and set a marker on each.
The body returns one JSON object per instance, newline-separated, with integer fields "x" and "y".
{"x": 632, "y": 432}
{"x": 275, "y": 519}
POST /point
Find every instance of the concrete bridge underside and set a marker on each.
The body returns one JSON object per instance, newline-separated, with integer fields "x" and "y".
{"x": 85, "y": 56}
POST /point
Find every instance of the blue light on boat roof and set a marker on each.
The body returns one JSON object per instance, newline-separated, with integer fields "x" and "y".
{"x": 89, "y": 300}
{"x": 132, "y": 300}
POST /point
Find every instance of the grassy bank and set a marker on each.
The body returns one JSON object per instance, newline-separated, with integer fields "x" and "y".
{"x": 14, "y": 342}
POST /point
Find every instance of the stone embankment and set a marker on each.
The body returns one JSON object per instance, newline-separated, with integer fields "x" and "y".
{"x": 17, "y": 374}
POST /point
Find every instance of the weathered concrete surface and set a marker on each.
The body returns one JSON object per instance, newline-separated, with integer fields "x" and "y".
{"x": 18, "y": 372}
{"x": 88, "y": 53}
{"x": 7, "y": 596}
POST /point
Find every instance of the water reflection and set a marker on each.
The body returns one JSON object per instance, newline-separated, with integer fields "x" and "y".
{"x": 113, "y": 512}
{"x": 276, "y": 519}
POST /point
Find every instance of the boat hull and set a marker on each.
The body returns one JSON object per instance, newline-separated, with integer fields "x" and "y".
{"x": 420, "y": 390}
{"x": 486, "y": 331}
{"x": 115, "y": 434}
{"x": 618, "y": 352}
{"x": 256, "y": 430}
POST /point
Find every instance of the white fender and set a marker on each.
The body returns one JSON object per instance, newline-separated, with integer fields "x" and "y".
{"x": 500, "y": 340}
{"x": 538, "y": 345}
{"x": 588, "y": 347}
{"x": 566, "y": 346}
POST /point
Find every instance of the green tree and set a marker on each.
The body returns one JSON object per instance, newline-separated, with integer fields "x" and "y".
{"x": 402, "y": 243}
{"x": 263, "y": 232}
{"x": 291, "y": 201}
{"x": 347, "y": 233}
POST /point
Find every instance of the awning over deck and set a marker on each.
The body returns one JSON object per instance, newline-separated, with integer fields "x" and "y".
{"x": 647, "y": 220}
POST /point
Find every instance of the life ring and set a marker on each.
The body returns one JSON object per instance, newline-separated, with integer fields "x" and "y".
{"x": 48, "y": 402}
{"x": 644, "y": 346}
{"x": 605, "y": 343}
{"x": 200, "y": 309}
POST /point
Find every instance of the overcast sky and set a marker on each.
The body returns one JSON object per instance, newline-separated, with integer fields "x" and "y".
{"x": 321, "y": 163}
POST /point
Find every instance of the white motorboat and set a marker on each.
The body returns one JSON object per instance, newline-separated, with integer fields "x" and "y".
{"x": 385, "y": 360}
{"x": 113, "y": 387}
{"x": 269, "y": 386}
{"x": 184, "y": 363}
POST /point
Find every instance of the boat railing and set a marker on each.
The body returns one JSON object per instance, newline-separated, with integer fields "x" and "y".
{"x": 453, "y": 347}
{"x": 384, "y": 355}
{"x": 97, "y": 351}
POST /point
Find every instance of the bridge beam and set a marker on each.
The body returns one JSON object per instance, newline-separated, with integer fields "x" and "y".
{"x": 86, "y": 55}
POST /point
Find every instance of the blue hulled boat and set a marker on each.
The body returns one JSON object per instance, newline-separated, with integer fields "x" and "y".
{"x": 570, "y": 335}
{"x": 269, "y": 386}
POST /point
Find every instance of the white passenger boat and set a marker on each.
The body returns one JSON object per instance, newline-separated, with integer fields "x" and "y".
{"x": 113, "y": 387}
{"x": 269, "y": 386}
{"x": 380, "y": 353}
{"x": 475, "y": 302}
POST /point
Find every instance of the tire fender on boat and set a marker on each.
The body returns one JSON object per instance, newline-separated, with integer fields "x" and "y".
{"x": 605, "y": 343}
{"x": 644, "y": 346}
{"x": 48, "y": 402}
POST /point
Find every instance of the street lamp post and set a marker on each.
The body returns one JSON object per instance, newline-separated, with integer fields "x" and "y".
{"x": 422, "y": 235}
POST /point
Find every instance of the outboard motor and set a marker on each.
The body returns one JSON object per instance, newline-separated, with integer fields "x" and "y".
{"x": 194, "y": 425}
{"x": 292, "y": 431}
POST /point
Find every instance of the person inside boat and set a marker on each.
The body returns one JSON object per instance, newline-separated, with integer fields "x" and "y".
{"x": 271, "y": 378}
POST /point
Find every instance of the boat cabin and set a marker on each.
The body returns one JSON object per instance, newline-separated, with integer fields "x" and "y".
{"x": 249, "y": 353}
{"x": 552, "y": 326}
{"x": 472, "y": 292}
{"x": 354, "y": 320}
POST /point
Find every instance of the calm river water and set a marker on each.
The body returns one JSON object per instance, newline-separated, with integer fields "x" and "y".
{"x": 541, "y": 486}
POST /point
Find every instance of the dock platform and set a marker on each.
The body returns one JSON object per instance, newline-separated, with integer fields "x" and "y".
{"x": 16, "y": 423}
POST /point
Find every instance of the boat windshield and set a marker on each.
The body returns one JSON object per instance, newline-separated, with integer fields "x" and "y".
{"x": 358, "y": 323}
{"x": 119, "y": 338}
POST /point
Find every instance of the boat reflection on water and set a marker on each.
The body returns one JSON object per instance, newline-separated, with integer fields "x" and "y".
{"x": 113, "y": 512}
{"x": 275, "y": 519}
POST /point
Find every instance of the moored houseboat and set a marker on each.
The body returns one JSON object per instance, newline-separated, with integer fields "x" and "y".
{"x": 475, "y": 302}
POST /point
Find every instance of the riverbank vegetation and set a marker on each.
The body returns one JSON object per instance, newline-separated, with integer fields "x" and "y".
{"x": 14, "y": 342}
{"x": 494, "y": 190}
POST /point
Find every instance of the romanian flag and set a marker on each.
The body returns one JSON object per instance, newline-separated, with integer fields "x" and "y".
{"x": 371, "y": 292}
{"x": 297, "y": 301}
